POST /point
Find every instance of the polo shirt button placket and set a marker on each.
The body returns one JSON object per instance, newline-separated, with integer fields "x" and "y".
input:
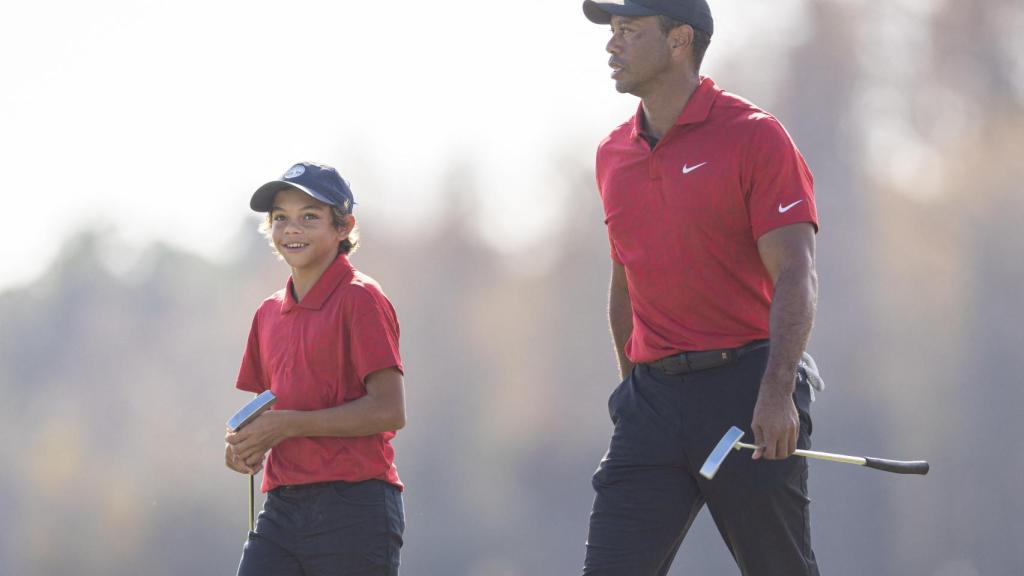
{"x": 652, "y": 165}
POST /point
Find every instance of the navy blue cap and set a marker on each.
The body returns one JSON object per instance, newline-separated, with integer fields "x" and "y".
{"x": 319, "y": 181}
{"x": 696, "y": 13}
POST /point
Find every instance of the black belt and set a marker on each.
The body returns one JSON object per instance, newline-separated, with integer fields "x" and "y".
{"x": 686, "y": 362}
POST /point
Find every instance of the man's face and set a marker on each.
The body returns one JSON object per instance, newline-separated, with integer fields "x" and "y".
{"x": 303, "y": 231}
{"x": 640, "y": 53}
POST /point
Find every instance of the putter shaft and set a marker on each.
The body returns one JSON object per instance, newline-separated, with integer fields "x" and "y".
{"x": 816, "y": 455}
{"x": 897, "y": 466}
{"x": 252, "y": 502}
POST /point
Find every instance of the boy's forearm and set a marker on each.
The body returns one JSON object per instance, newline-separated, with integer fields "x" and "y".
{"x": 382, "y": 409}
{"x": 361, "y": 417}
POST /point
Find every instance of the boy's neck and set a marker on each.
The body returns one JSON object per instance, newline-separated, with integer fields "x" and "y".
{"x": 303, "y": 279}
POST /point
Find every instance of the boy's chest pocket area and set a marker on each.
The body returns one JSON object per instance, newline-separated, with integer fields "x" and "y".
{"x": 305, "y": 375}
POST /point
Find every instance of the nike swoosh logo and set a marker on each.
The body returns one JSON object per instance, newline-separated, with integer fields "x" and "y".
{"x": 784, "y": 209}
{"x": 688, "y": 169}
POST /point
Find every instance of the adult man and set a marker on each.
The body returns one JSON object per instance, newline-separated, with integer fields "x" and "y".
{"x": 711, "y": 221}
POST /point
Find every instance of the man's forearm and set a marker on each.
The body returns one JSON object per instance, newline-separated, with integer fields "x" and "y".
{"x": 620, "y": 318}
{"x": 790, "y": 323}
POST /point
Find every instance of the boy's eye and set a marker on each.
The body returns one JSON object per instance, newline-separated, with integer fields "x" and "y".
{"x": 278, "y": 217}
{"x": 310, "y": 216}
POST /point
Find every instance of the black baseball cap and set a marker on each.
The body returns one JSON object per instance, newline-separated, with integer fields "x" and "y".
{"x": 319, "y": 181}
{"x": 696, "y": 13}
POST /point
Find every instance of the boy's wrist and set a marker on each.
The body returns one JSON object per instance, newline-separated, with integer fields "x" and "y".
{"x": 291, "y": 424}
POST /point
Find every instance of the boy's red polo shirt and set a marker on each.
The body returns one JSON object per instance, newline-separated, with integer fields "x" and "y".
{"x": 684, "y": 219}
{"x": 316, "y": 354}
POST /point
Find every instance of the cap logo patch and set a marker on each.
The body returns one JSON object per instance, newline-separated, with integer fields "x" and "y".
{"x": 295, "y": 171}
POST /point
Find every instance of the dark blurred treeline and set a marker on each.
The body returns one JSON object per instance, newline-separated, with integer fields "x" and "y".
{"x": 116, "y": 386}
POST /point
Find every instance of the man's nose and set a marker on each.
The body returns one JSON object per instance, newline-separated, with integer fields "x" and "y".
{"x": 612, "y": 47}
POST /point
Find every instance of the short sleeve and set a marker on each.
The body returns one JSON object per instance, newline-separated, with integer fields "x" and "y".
{"x": 250, "y": 375}
{"x": 599, "y": 172}
{"x": 780, "y": 188}
{"x": 374, "y": 333}
{"x": 612, "y": 251}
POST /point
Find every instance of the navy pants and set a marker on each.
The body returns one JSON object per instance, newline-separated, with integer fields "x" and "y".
{"x": 332, "y": 528}
{"x": 649, "y": 490}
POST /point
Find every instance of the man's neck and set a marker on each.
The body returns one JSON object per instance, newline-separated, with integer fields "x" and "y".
{"x": 663, "y": 106}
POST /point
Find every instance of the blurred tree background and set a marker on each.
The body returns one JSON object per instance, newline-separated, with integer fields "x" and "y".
{"x": 911, "y": 114}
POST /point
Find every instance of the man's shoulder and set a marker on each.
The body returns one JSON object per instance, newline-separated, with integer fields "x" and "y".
{"x": 618, "y": 135}
{"x": 742, "y": 113}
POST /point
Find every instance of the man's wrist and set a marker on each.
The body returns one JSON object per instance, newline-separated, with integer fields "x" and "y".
{"x": 779, "y": 382}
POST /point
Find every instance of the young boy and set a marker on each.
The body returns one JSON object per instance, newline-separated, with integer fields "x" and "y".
{"x": 327, "y": 346}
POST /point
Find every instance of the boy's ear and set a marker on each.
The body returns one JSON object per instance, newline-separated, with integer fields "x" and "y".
{"x": 348, "y": 222}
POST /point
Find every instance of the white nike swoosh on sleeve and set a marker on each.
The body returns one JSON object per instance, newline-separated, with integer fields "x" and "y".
{"x": 784, "y": 209}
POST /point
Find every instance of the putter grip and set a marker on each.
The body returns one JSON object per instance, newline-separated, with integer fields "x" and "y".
{"x": 897, "y": 466}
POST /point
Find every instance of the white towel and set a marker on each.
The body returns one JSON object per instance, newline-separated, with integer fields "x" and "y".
{"x": 813, "y": 376}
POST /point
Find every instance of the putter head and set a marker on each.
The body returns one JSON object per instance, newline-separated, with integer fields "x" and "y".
{"x": 250, "y": 411}
{"x": 721, "y": 451}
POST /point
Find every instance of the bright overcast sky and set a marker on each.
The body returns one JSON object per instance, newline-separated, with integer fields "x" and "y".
{"x": 153, "y": 120}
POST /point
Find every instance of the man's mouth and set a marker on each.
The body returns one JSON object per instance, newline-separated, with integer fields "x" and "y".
{"x": 615, "y": 66}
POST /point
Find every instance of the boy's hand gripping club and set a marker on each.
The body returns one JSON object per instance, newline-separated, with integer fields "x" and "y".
{"x": 246, "y": 414}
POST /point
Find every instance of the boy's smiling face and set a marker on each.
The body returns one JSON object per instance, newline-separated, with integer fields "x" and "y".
{"x": 303, "y": 230}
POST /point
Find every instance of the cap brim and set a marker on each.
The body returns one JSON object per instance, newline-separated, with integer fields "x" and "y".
{"x": 263, "y": 198}
{"x": 602, "y": 12}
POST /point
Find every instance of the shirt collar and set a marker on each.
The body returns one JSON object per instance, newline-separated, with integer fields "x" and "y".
{"x": 697, "y": 108}
{"x": 339, "y": 271}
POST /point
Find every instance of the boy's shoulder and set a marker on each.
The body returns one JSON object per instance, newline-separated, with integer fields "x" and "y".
{"x": 362, "y": 290}
{"x": 271, "y": 303}
{"x": 277, "y": 298}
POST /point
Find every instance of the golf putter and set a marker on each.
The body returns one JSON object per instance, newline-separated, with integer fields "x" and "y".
{"x": 731, "y": 441}
{"x": 246, "y": 414}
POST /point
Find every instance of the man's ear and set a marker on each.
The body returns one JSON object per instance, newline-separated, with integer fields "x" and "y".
{"x": 680, "y": 37}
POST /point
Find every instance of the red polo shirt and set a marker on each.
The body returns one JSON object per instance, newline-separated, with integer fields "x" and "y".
{"x": 684, "y": 219}
{"x": 316, "y": 354}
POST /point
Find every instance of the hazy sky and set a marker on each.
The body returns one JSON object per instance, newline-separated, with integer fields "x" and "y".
{"x": 151, "y": 120}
